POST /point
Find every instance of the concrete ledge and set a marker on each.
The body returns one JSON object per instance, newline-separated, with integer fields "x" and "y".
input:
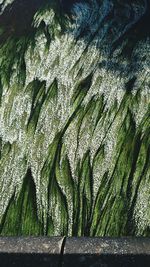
{"x": 30, "y": 252}
{"x": 74, "y": 252}
{"x": 107, "y": 252}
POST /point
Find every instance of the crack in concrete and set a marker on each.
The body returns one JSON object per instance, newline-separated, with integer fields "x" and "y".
{"x": 60, "y": 264}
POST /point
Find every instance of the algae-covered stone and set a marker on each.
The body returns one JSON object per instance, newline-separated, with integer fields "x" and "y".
{"x": 75, "y": 118}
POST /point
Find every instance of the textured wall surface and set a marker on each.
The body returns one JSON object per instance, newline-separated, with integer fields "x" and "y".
{"x": 75, "y": 118}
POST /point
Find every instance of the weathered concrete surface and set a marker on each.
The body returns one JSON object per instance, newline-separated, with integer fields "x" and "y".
{"x": 107, "y": 252}
{"x": 74, "y": 252}
{"x": 31, "y": 252}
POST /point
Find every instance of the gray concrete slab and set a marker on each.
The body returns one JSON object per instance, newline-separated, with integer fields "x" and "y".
{"x": 106, "y": 252}
{"x": 74, "y": 252}
{"x": 30, "y": 252}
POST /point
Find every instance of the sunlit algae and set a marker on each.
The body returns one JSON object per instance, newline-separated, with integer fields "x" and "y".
{"x": 75, "y": 120}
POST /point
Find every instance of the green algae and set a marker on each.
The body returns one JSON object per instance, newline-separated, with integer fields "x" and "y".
{"x": 74, "y": 128}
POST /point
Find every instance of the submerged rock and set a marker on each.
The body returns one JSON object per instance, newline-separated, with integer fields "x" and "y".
{"x": 74, "y": 120}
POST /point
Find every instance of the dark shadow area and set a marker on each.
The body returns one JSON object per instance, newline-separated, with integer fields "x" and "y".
{"x": 17, "y": 18}
{"x": 29, "y": 260}
{"x": 16, "y": 21}
{"x": 73, "y": 260}
{"x": 107, "y": 260}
